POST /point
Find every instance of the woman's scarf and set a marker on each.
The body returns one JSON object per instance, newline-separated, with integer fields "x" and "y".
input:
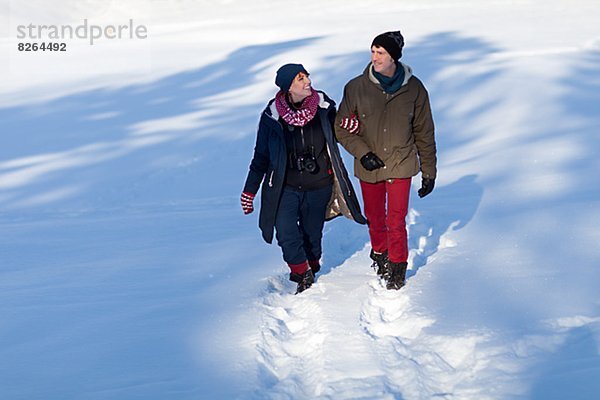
{"x": 301, "y": 116}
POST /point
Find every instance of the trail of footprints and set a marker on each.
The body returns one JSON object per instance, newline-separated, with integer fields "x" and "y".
{"x": 349, "y": 337}
{"x": 291, "y": 344}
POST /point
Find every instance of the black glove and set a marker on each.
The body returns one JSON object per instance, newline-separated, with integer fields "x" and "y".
{"x": 371, "y": 162}
{"x": 427, "y": 185}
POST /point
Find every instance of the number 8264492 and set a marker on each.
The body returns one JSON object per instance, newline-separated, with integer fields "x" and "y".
{"x": 50, "y": 46}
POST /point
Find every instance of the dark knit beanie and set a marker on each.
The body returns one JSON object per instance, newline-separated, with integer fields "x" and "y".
{"x": 392, "y": 42}
{"x": 286, "y": 74}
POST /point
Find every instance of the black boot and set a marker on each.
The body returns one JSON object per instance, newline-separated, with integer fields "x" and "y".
{"x": 379, "y": 261}
{"x": 315, "y": 266}
{"x": 304, "y": 280}
{"x": 397, "y": 275}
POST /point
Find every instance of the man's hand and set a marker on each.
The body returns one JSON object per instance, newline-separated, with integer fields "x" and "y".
{"x": 371, "y": 162}
{"x": 427, "y": 185}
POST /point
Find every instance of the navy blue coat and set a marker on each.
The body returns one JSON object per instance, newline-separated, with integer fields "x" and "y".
{"x": 269, "y": 163}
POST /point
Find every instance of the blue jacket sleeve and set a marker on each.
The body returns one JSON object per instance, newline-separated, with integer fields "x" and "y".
{"x": 260, "y": 160}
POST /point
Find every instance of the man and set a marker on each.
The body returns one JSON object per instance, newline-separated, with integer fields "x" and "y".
{"x": 385, "y": 122}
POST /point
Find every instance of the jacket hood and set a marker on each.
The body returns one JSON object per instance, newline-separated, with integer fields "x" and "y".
{"x": 324, "y": 102}
{"x": 369, "y": 73}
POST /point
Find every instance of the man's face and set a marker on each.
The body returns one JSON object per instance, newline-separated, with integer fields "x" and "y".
{"x": 300, "y": 87}
{"x": 382, "y": 61}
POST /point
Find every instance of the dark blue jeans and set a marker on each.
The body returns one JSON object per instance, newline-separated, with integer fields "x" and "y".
{"x": 299, "y": 223}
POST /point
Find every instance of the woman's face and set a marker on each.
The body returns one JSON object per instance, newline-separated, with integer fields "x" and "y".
{"x": 300, "y": 87}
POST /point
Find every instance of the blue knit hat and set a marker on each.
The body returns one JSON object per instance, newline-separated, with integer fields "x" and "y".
{"x": 286, "y": 74}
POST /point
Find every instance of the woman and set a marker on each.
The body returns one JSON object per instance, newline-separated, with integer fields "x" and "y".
{"x": 304, "y": 181}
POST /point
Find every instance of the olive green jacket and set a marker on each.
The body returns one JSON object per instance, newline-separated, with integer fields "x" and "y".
{"x": 397, "y": 127}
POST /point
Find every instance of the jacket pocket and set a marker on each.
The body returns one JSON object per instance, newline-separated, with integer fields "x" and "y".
{"x": 402, "y": 153}
{"x": 403, "y": 162}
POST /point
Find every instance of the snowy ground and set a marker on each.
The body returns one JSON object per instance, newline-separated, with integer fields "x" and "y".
{"x": 128, "y": 271}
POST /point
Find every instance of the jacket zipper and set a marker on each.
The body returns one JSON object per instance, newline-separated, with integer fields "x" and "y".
{"x": 303, "y": 143}
{"x": 339, "y": 178}
{"x": 348, "y": 186}
{"x": 271, "y": 179}
{"x": 273, "y": 172}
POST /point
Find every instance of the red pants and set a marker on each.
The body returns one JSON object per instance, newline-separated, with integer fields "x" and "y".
{"x": 387, "y": 217}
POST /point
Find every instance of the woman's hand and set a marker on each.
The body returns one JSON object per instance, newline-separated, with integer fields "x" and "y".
{"x": 247, "y": 200}
{"x": 351, "y": 124}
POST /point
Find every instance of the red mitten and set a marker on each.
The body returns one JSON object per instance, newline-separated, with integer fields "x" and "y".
{"x": 351, "y": 124}
{"x": 247, "y": 200}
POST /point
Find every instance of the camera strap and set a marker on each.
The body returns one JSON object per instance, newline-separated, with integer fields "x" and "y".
{"x": 312, "y": 142}
{"x": 304, "y": 150}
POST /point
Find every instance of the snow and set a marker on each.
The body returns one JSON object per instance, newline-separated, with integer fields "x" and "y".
{"x": 128, "y": 271}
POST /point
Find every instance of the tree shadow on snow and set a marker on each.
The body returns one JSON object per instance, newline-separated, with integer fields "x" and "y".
{"x": 174, "y": 139}
{"x": 177, "y": 140}
{"x": 572, "y": 371}
{"x": 168, "y": 142}
{"x": 448, "y": 208}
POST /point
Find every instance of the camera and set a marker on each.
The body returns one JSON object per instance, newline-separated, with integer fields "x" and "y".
{"x": 306, "y": 161}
